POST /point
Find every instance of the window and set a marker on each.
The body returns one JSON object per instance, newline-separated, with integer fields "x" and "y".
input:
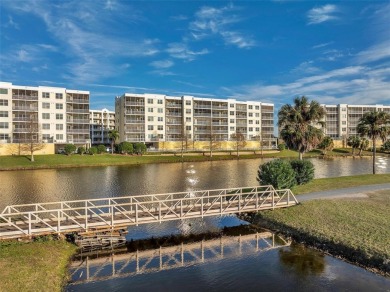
{"x": 160, "y": 136}
{"x": 59, "y": 116}
{"x": 344, "y": 109}
{"x": 160, "y": 128}
{"x": 344, "y": 123}
{"x": 45, "y": 126}
{"x": 257, "y": 129}
{"x": 188, "y": 102}
{"x": 46, "y": 105}
{"x": 257, "y": 122}
{"x": 188, "y": 128}
{"x": 160, "y": 119}
{"x": 250, "y": 122}
{"x": 188, "y": 111}
{"x": 232, "y": 105}
{"x": 344, "y": 116}
{"x": 4, "y": 136}
{"x": 344, "y": 129}
{"x": 188, "y": 119}
{"x": 231, "y": 128}
{"x": 59, "y": 96}
{"x": 3, "y": 125}
{"x": 45, "y": 95}
{"x": 257, "y": 107}
{"x": 45, "y": 116}
{"x": 59, "y": 106}
{"x": 59, "y": 127}
{"x": 250, "y": 106}
{"x": 159, "y": 101}
{"x": 250, "y": 129}
{"x": 232, "y": 121}
{"x": 4, "y": 102}
{"x": 150, "y": 101}
{"x": 257, "y": 115}
{"x": 160, "y": 110}
{"x": 45, "y": 136}
{"x": 3, "y": 114}
{"x": 150, "y": 110}
{"x": 232, "y": 113}
{"x": 250, "y": 114}
{"x": 150, "y": 119}
{"x": 59, "y": 137}
{"x": 3, "y": 91}
{"x": 150, "y": 127}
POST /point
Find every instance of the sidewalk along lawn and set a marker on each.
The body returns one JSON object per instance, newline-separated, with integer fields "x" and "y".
{"x": 355, "y": 229}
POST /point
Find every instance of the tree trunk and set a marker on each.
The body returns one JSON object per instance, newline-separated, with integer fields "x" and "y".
{"x": 300, "y": 156}
{"x": 373, "y": 154}
{"x": 112, "y": 147}
{"x": 32, "y": 157}
{"x": 360, "y": 151}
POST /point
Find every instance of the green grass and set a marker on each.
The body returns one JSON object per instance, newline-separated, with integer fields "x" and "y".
{"x": 35, "y": 266}
{"x": 358, "y": 229}
{"x": 61, "y": 161}
{"x": 324, "y": 184}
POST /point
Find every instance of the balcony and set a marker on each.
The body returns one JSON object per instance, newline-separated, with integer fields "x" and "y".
{"x": 81, "y": 111}
{"x": 77, "y": 131}
{"x": 202, "y": 106}
{"x": 77, "y": 121}
{"x": 202, "y": 114}
{"x": 25, "y": 97}
{"x": 176, "y": 114}
{"x": 134, "y": 103}
{"x": 173, "y": 105}
{"x": 135, "y": 121}
{"x": 220, "y": 115}
{"x": 220, "y": 107}
{"x": 25, "y": 108}
{"x": 77, "y": 100}
{"x": 135, "y": 112}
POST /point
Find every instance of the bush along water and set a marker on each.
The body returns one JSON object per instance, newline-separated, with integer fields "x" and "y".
{"x": 282, "y": 174}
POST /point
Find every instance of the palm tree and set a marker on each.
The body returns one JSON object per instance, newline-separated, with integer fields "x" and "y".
{"x": 374, "y": 125}
{"x": 298, "y": 124}
{"x": 113, "y": 135}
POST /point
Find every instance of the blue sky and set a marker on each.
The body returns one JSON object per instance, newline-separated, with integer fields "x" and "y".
{"x": 270, "y": 51}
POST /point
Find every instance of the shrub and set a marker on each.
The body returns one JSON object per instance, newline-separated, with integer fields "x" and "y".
{"x": 386, "y": 146}
{"x": 277, "y": 173}
{"x": 101, "y": 149}
{"x": 93, "y": 150}
{"x": 304, "y": 171}
{"x": 69, "y": 149}
{"x": 81, "y": 150}
{"x": 125, "y": 148}
{"x": 281, "y": 146}
{"x": 140, "y": 148}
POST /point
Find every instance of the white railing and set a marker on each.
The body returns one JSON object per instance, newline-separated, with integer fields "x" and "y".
{"x": 111, "y": 213}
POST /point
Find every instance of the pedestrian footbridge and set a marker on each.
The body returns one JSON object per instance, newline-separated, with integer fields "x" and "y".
{"x": 93, "y": 215}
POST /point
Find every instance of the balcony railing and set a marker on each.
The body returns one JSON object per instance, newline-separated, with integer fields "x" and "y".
{"x": 83, "y": 111}
{"x": 174, "y": 114}
{"x": 25, "y": 97}
{"x": 139, "y": 112}
{"x": 25, "y": 108}
{"x": 77, "y": 100}
{"x": 134, "y": 103}
{"x": 77, "y": 121}
{"x": 77, "y": 131}
{"x": 202, "y": 114}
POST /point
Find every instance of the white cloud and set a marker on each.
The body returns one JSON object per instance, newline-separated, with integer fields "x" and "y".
{"x": 321, "y": 45}
{"x": 321, "y": 14}
{"x": 211, "y": 21}
{"x": 181, "y": 51}
{"x": 374, "y": 53}
{"x": 162, "y": 64}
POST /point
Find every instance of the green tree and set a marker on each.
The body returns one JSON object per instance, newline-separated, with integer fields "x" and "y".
{"x": 326, "y": 144}
{"x": 374, "y": 125}
{"x": 81, "y": 150}
{"x": 386, "y": 146}
{"x": 304, "y": 171}
{"x": 113, "y": 135}
{"x": 354, "y": 142}
{"x": 93, "y": 150}
{"x": 140, "y": 148}
{"x": 363, "y": 145}
{"x": 277, "y": 173}
{"x": 101, "y": 149}
{"x": 299, "y": 124}
{"x": 69, "y": 149}
{"x": 125, "y": 148}
{"x": 282, "y": 146}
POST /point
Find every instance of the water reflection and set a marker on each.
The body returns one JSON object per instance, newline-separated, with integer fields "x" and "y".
{"x": 302, "y": 261}
{"x": 18, "y": 187}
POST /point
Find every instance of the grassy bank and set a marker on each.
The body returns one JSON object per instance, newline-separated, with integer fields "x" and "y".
{"x": 35, "y": 266}
{"x": 75, "y": 160}
{"x": 325, "y": 184}
{"x": 355, "y": 229}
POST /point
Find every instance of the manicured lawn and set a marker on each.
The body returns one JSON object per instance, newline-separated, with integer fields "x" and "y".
{"x": 358, "y": 229}
{"x": 36, "y": 266}
{"x": 324, "y": 184}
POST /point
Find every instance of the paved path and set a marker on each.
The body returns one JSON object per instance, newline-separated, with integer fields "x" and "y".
{"x": 353, "y": 192}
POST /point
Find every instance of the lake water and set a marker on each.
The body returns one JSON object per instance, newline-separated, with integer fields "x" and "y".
{"x": 286, "y": 268}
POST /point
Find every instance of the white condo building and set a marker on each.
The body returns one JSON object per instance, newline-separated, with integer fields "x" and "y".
{"x": 61, "y": 115}
{"x": 101, "y": 123}
{"x": 342, "y": 119}
{"x": 152, "y": 118}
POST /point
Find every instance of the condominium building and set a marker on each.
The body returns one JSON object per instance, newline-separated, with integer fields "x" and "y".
{"x": 153, "y": 118}
{"x": 101, "y": 123}
{"x": 56, "y": 115}
{"x": 342, "y": 119}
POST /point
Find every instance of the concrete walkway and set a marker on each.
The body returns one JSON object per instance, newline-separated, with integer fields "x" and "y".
{"x": 354, "y": 192}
